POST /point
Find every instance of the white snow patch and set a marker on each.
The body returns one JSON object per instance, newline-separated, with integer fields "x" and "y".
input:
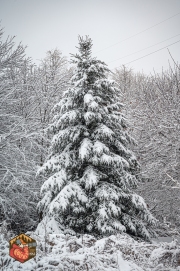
{"x": 90, "y": 177}
{"x": 114, "y": 253}
{"x": 88, "y": 98}
{"x": 103, "y": 131}
{"x": 138, "y": 201}
{"x": 61, "y": 201}
{"x": 48, "y": 225}
{"x": 55, "y": 181}
{"x": 99, "y": 148}
{"x": 85, "y": 149}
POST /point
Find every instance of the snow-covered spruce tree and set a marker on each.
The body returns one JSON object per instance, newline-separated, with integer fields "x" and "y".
{"x": 90, "y": 168}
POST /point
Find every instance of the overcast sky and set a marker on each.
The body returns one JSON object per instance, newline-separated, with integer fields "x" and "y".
{"x": 47, "y": 24}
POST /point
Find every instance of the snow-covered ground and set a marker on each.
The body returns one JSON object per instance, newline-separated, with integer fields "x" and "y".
{"x": 115, "y": 253}
{"x": 166, "y": 239}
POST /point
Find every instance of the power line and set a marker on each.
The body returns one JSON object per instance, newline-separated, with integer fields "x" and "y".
{"x": 142, "y": 49}
{"x": 150, "y": 53}
{"x": 139, "y": 32}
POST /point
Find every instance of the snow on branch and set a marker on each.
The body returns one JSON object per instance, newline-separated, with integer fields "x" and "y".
{"x": 55, "y": 182}
{"x": 85, "y": 149}
{"x": 91, "y": 177}
{"x": 62, "y": 200}
{"x": 102, "y": 131}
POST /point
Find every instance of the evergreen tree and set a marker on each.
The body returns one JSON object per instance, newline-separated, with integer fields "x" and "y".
{"x": 90, "y": 170}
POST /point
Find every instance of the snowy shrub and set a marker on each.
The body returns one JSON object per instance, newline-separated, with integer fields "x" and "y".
{"x": 112, "y": 253}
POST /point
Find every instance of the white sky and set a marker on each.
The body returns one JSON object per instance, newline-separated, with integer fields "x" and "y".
{"x": 48, "y": 24}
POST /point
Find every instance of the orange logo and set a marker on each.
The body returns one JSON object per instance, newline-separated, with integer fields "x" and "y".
{"x": 22, "y": 248}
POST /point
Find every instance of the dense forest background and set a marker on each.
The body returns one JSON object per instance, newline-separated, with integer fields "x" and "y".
{"x": 27, "y": 95}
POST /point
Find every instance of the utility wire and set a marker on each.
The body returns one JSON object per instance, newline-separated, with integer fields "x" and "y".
{"x": 139, "y": 32}
{"x": 150, "y": 53}
{"x": 142, "y": 49}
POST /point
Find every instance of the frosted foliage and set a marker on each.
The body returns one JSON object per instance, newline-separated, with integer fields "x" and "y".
{"x": 55, "y": 182}
{"x": 51, "y": 165}
{"x": 65, "y": 159}
{"x": 103, "y": 213}
{"x": 46, "y": 200}
{"x": 149, "y": 217}
{"x": 130, "y": 180}
{"x": 105, "y": 228}
{"x": 106, "y": 192}
{"x": 91, "y": 177}
{"x": 70, "y": 134}
{"x": 93, "y": 68}
{"x": 118, "y": 226}
{"x": 91, "y": 116}
{"x": 64, "y": 134}
{"x": 85, "y": 149}
{"x": 107, "y": 159}
{"x": 103, "y": 132}
{"x": 128, "y": 223}
{"x": 99, "y": 148}
{"x": 138, "y": 202}
{"x": 122, "y": 148}
{"x": 55, "y": 163}
{"x": 90, "y": 102}
{"x": 93, "y": 106}
{"x": 65, "y": 104}
{"x": 62, "y": 200}
{"x": 110, "y": 160}
{"x": 121, "y": 162}
{"x": 88, "y": 98}
{"x": 115, "y": 210}
{"x": 68, "y": 118}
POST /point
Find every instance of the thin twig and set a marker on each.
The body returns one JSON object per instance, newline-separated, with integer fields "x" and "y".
{"x": 173, "y": 59}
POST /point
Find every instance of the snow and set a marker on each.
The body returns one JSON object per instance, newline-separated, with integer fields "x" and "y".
{"x": 72, "y": 133}
{"x": 119, "y": 226}
{"x": 64, "y": 105}
{"x": 91, "y": 116}
{"x": 93, "y": 106}
{"x": 48, "y": 225}
{"x": 88, "y": 98}
{"x": 103, "y": 213}
{"x": 138, "y": 201}
{"x": 90, "y": 102}
{"x": 125, "y": 265}
{"x": 103, "y": 132}
{"x": 107, "y": 159}
{"x": 90, "y": 177}
{"x": 46, "y": 200}
{"x": 92, "y": 68}
{"x": 114, "y": 253}
{"x": 99, "y": 148}
{"x": 51, "y": 164}
{"x": 115, "y": 209}
{"x": 107, "y": 192}
{"x": 55, "y": 181}
{"x": 62, "y": 200}
{"x": 85, "y": 149}
{"x": 165, "y": 239}
{"x": 70, "y": 117}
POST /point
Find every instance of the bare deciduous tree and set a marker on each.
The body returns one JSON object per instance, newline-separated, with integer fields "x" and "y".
{"x": 153, "y": 108}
